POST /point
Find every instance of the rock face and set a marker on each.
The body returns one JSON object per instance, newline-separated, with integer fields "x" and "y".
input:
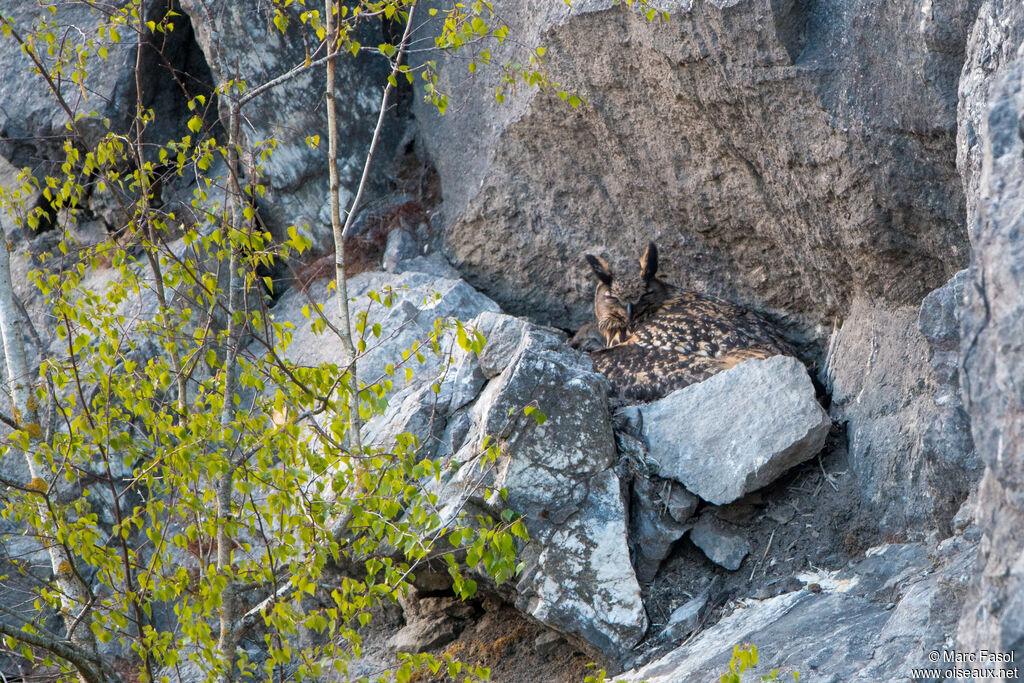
{"x": 995, "y": 40}
{"x": 738, "y": 431}
{"x": 32, "y": 124}
{"x": 791, "y": 155}
{"x": 212, "y": 42}
{"x": 856, "y": 194}
{"x": 884, "y": 391}
{"x": 992, "y": 347}
{"x": 952, "y": 464}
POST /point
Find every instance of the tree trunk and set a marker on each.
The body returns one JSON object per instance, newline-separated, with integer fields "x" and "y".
{"x": 355, "y": 442}
{"x": 76, "y": 603}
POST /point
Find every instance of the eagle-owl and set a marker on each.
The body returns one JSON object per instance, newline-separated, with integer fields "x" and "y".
{"x": 663, "y": 339}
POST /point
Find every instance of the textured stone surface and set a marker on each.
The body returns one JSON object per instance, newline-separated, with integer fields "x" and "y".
{"x": 853, "y": 213}
{"x": 416, "y": 410}
{"x": 857, "y": 192}
{"x": 995, "y": 40}
{"x": 660, "y": 511}
{"x": 547, "y": 642}
{"x": 420, "y": 299}
{"x": 940, "y": 321}
{"x": 504, "y": 334}
{"x": 684, "y": 619}
{"x": 237, "y": 43}
{"x": 400, "y": 247}
{"x": 431, "y": 622}
{"x": 883, "y": 390}
{"x": 872, "y": 621}
{"x": 947, "y": 446}
{"x": 578, "y": 578}
{"x": 738, "y": 431}
{"x": 425, "y": 634}
{"x": 992, "y": 348}
{"x": 32, "y": 124}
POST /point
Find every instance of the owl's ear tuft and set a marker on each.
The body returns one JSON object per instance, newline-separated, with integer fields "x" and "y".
{"x": 601, "y": 269}
{"x": 649, "y": 263}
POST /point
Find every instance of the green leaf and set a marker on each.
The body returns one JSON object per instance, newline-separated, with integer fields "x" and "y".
{"x": 519, "y": 530}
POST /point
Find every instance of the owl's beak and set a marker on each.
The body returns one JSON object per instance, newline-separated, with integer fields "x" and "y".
{"x": 629, "y": 311}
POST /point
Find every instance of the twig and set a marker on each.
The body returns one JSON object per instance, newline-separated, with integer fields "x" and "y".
{"x": 828, "y": 477}
{"x": 395, "y": 71}
{"x": 764, "y": 556}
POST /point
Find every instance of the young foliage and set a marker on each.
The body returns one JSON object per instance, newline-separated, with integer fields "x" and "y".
{"x": 195, "y": 496}
{"x": 201, "y": 495}
{"x": 744, "y": 659}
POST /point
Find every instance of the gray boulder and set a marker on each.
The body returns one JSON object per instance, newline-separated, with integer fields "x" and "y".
{"x": 416, "y": 410}
{"x": 419, "y": 300}
{"x": 737, "y": 431}
{"x": 504, "y": 335}
{"x": 431, "y": 622}
{"x": 578, "y": 578}
{"x": 426, "y": 634}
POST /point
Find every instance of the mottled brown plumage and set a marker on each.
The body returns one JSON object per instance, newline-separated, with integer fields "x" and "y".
{"x": 692, "y": 323}
{"x": 675, "y": 338}
{"x": 646, "y": 374}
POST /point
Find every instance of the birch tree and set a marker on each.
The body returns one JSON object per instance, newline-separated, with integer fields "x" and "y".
{"x": 184, "y": 486}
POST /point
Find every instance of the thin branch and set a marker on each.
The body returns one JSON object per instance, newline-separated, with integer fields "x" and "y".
{"x": 9, "y": 421}
{"x": 88, "y": 668}
{"x": 393, "y": 78}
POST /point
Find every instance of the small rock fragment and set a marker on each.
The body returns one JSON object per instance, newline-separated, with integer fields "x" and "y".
{"x": 782, "y": 514}
{"x": 720, "y": 543}
{"x": 684, "y": 619}
{"x": 400, "y": 247}
{"x": 659, "y": 512}
{"x": 548, "y": 642}
{"x": 426, "y": 634}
